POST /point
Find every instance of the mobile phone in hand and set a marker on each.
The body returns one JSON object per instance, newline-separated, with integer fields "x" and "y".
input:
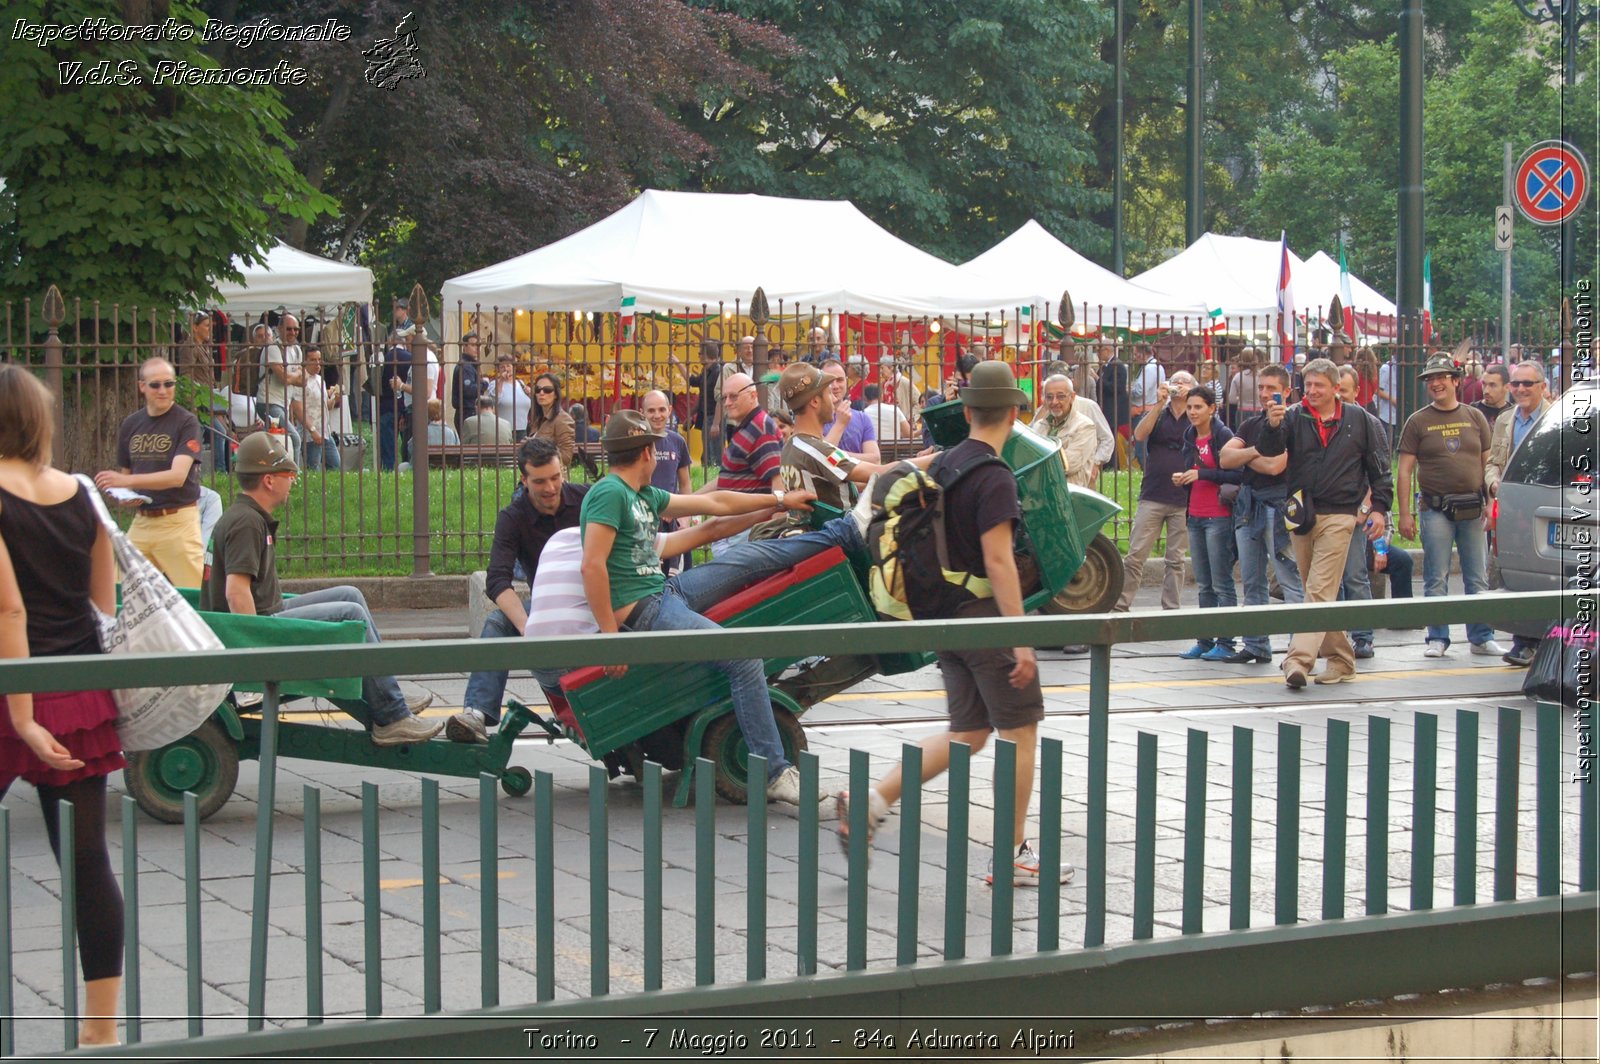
{"x": 1277, "y": 397}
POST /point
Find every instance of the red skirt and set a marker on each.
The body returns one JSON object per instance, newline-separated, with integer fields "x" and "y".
{"x": 82, "y": 721}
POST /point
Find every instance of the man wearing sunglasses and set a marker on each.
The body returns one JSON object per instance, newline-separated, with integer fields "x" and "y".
{"x": 158, "y": 456}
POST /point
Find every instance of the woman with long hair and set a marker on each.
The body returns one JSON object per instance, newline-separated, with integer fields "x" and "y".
{"x": 1212, "y": 548}
{"x": 549, "y": 421}
{"x": 56, "y": 568}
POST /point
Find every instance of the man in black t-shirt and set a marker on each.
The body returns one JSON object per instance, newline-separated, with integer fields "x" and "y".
{"x": 158, "y": 457}
{"x": 244, "y": 580}
{"x": 1161, "y": 502}
{"x": 987, "y": 690}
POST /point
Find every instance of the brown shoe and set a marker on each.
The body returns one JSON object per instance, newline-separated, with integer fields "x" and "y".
{"x": 1295, "y": 677}
{"x": 1333, "y": 675}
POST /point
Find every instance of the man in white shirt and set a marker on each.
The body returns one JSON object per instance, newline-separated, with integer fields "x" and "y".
{"x": 886, "y": 418}
{"x": 317, "y": 409}
{"x": 282, "y": 378}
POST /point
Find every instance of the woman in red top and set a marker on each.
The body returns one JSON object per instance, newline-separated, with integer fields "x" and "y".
{"x": 1212, "y": 548}
{"x": 55, "y": 569}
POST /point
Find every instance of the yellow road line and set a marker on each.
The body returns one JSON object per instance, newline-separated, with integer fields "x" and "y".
{"x": 408, "y": 884}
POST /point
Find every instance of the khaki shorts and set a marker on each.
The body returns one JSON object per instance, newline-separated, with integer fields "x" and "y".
{"x": 977, "y": 684}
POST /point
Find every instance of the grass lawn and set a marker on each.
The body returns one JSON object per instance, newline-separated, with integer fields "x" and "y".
{"x": 348, "y": 524}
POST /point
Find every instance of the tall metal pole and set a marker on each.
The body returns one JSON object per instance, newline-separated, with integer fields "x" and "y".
{"x": 1408, "y": 274}
{"x": 1118, "y": 265}
{"x": 1505, "y": 268}
{"x": 1194, "y": 176}
{"x": 1569, "y": 75}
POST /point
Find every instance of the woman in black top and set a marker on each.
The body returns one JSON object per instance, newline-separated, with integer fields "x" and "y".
{"x": 55, "y": 569}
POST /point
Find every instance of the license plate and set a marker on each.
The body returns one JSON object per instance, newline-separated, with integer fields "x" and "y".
{"x": 1563, "y": 534}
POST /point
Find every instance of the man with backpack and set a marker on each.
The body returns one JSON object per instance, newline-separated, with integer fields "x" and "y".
{"x": 987, "y": 690}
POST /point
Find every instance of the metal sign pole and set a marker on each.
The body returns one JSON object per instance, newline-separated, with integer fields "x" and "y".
{"x": 1505, "y": 262}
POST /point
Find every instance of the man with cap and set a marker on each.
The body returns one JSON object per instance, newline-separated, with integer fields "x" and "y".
{"x": 987, "y": 690}
{"x": 810, "y": 463}
{"x": 244, "y": 579}
{"x": 627, "y": 590}
{"x": 1446, "y": 445}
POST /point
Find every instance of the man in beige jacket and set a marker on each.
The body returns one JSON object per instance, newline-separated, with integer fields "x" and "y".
{"x": 1072, "y": 428}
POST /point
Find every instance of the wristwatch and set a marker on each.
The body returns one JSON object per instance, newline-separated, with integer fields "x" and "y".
{"x": 779, "y": 496}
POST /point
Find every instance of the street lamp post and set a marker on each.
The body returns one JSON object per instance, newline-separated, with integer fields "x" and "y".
{"x": 1571, "y": 16}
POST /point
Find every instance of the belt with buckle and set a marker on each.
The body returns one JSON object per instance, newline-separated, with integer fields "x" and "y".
{"x": 163, "y": 511}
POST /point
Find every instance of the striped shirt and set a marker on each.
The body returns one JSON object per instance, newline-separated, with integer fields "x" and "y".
{"x": 752, "y": 455}
{"x": 557, "y": 605}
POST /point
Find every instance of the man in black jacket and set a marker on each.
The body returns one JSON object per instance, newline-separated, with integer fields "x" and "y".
{"x": 1336, "y": 454}
{"x": 548, "y": 505}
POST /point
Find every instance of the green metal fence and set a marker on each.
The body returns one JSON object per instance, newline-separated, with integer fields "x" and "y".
{"x": 1559, "y": 828}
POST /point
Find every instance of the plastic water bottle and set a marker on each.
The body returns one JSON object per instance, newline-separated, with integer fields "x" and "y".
{"x": 1380, "y": 546}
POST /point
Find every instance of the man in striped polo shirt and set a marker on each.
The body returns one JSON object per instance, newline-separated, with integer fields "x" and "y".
{"x": 753, "y": 453}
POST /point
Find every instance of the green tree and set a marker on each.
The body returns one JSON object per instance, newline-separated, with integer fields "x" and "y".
{"x": 135, "y": 192}
{"x": 1337, "y": 175}
{"x": 949, "y": 122}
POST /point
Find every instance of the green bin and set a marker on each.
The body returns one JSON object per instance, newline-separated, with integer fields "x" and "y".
{"x": 1058, "y": 520}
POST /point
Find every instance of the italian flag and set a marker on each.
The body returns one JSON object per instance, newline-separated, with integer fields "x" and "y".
{"x": 1344, "y": 295}
{"x": 1427, "y": 298}
{"x": 626, "y": 319}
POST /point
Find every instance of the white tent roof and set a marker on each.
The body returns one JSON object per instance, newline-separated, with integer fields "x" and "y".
{"x": 1032, "y": 257}
{"x": 295, "y": 280}
{"x": 681, "y": 250}
{"x": 1239, "y": 276}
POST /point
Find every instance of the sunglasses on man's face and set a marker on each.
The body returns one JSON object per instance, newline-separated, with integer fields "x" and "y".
{"x": 161, "y": 384}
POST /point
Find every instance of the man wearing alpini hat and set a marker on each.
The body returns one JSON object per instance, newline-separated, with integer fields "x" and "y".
{"x": 1446, "y": 444}
{"x": 987, "y": 690}
{"x": 627, "y": 591}
{"x": 810, "y": 463}
{"x": 244, "y": 579}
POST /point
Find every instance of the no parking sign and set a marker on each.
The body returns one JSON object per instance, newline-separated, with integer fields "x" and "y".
{"x": 1551, "y": 182}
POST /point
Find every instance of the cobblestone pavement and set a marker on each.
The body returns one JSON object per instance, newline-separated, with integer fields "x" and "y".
{"x": 1153, "y": 691}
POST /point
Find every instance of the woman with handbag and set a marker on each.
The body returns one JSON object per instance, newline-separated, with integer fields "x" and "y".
{"x": 1212, "y": 548}
{"x": 55, "y": 570}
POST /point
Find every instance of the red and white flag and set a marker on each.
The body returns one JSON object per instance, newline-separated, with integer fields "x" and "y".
{"x": 1285, "y": 302}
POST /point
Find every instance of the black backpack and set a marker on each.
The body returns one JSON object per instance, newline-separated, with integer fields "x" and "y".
{"x": 911, "y": 578}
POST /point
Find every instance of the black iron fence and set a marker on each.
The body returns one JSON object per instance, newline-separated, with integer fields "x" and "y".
{"x": 400, "y": 484}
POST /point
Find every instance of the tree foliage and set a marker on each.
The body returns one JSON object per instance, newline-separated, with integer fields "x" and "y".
{"x": 134, "y": 193}
{"x": 1338, "y": 176}
{"x": 531, "y": 120}
{"x": 949, "y": 122}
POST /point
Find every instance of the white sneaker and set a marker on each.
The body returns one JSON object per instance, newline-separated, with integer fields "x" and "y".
{"x": 877, "y": 812}
{"x": 786, "y": 787}
{"x": 1436, "y": 649}
{"x": 1026, "y": 870}
{"x": 1489, "y": 646}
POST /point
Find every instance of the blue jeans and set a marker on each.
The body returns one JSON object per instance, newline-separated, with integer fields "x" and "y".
{"x": 1260, "y": 537}
{"x": 323, "y": 455}
{"x": 486, "y": 690}
{"x": 219, "y": 431}
{"x": 386, "y": 440}
{"x": 695, "y": 590}
{"x": 1356, "y": 585}
{"x": 1439, "y": 534}
{"x": 1212, "y": 550}
{"x": 380, "y": 695}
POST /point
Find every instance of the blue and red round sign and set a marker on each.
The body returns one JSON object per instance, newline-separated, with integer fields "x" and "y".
{"x": 1551, "y": 182}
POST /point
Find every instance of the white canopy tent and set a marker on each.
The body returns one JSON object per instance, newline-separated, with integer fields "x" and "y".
{"x": 294, "y": 280}
{"x": 1238, "y": 275}
{"x": 673, "y": 251}
{"x": 1031, "y": 256}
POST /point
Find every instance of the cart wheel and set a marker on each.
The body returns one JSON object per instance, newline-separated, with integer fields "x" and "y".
{"x": 206, "y": 761}
{"x": 516, "y": 781}
{"x": 1097, "y": 584}
{"x": 724, "y": 747}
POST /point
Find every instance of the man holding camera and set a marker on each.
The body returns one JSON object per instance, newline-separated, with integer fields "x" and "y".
{"x": 1336, "y": 456}
{"x": 1446, "y": 445}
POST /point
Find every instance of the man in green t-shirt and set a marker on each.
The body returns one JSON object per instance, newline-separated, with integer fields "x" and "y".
{"x": 627, "y": 591}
